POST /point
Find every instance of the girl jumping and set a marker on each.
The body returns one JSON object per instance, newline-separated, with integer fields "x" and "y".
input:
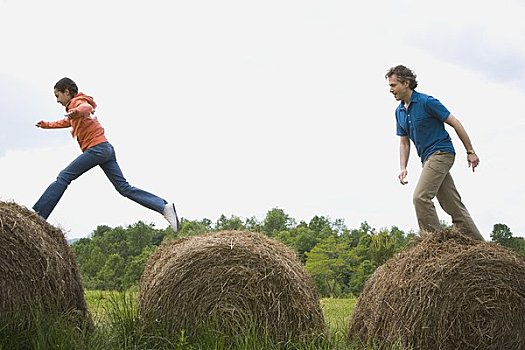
{"x": 96, "y": 150}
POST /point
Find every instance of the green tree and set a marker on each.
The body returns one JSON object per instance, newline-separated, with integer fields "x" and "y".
{"x": 330, "y": 264}
{"x": 100, "y": 230}
{"x": 135, "y": 267}
{"x": 383, "y": 246}
{"x": 112, "y": 273}
{"x": 301, "y": 239}
{"x": 276, "y": 220}
{"x": 253, "y": 225}
{"x": 90, "y": 259}
{"x": 320, "y": 263}
{"x": 501, "y": 234}
{"x": 232, "y": 223}
{"x": 192, "y": 228}
{"x": 319, "y": 224}
{"x": 339, "y": 259}
{"x": 97, "y": 256}
{"x": 113, "y": 241}
{"x": 139, "y": 236}
{"x": 361, "y": 274}
{"x": 363, "y": 230}
{"x": 94, "y": 262}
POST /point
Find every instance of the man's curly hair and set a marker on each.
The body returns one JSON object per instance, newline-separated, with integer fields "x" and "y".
{"x": 403, "y": 74}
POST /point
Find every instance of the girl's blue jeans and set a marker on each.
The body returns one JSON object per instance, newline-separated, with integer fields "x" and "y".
{"x": 104, "y": 156}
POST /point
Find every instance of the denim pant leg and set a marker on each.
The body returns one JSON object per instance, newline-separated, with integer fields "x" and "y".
{"x": 87, "y": 160}
{"x": 114, "y": 174}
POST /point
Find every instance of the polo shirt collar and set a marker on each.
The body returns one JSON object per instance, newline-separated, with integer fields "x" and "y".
{"x": 414, "y": 98}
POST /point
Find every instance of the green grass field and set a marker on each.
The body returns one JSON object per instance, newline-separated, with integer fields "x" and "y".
{"x": 116, "y": 327}
{"x": 110, "y": 309}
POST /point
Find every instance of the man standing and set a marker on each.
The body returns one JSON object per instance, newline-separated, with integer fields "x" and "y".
{"x": 421, "y": 118}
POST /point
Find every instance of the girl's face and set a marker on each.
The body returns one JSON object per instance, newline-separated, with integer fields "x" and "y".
{"x": 63, "y": 97}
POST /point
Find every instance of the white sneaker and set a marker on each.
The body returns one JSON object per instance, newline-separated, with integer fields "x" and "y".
{"x": 171, "y": 215}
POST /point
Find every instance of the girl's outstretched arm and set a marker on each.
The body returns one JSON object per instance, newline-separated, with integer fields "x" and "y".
{"x": 62, "y": 123}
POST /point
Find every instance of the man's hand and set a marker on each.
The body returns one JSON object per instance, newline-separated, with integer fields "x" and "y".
{"x": 473, "y": 161}
{"x": 402, "y": 177}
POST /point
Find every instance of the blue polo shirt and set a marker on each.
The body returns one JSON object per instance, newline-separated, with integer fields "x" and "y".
{"x": 424, "y": 123}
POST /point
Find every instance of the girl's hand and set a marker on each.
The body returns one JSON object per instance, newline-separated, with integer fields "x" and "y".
{"x": 72, "y": 114}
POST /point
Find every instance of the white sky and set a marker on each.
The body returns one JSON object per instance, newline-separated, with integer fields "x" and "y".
{"x": 236, "y": 107}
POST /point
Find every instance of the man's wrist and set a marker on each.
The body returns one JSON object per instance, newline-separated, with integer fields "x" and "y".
{"x": 471, "y": 151}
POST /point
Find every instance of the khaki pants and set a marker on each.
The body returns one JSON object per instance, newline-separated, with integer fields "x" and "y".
{"x": 436, "y": 181}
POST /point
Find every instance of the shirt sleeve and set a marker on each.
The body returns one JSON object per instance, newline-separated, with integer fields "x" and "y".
{"x": 436, "y": 109}
{"x": 400, "y": 131}
{"x": 84, "y": 109}
{"x": 62, "y": 123}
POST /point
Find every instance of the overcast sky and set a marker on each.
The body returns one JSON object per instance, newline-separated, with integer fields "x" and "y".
{"x": 236, "y": 107}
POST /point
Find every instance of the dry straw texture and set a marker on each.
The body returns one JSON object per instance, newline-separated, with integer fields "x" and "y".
{"x": 231, "y": 280}
{"x": 37, "y": 268}
{"x": 446, "y": 292}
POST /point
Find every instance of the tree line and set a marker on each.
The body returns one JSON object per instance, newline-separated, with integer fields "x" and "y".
{"x": 339, "y": 259}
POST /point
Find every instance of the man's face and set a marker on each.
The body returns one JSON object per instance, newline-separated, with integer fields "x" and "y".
{"x": 400, "y": 90}
{"x": 63, "y": 97}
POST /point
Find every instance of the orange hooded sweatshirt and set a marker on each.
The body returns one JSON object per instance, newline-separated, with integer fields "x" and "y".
{"x": 85, "y": 126}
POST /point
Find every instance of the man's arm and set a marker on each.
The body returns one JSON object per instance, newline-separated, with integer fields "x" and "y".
{"x": 472, "y": 157}
{"x": 404, "y": 153}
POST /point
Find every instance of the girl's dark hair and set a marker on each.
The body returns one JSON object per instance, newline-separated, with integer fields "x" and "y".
{"x": 403, "y": 74}
{"x": 66, "y": 83}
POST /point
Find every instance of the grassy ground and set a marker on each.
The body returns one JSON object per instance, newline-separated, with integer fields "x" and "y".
{"x": 105, "y": 306}
{"x": 337, "y": 312}
{"x": 116, "y": 327}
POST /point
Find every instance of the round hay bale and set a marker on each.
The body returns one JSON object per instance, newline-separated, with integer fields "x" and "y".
{"x": 446, "y": 292}
{"x": 233, "y": 282}
{"x": 38, "y": 271}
